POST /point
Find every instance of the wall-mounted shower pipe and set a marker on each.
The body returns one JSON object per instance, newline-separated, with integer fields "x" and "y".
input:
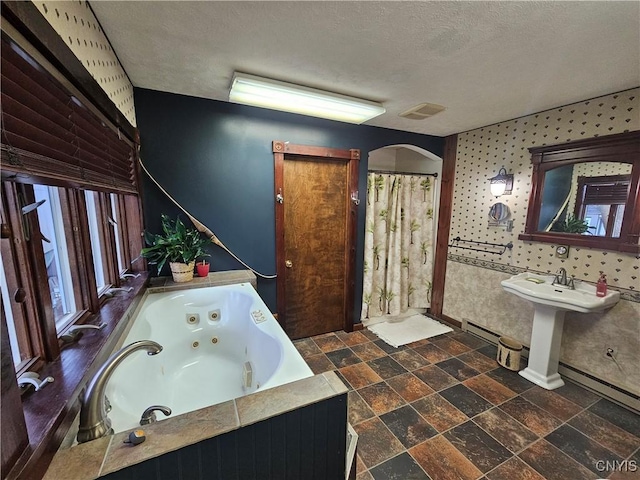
{"x": 200, "y": 226}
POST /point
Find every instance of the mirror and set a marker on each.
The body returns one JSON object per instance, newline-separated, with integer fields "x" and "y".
{"x": 587, "y": 198}
{"x": 585, "y": 193}
{"x": 499, "y": 212}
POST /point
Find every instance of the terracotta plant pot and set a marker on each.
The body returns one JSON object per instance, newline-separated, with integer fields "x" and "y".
{"x": 203, "y": 269}
{"x": 182, "y": 272}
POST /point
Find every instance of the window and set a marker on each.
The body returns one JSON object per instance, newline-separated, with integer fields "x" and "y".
{"x": 13, "y": 335}
{"x": 61, "y": 250}
{"x": 56, "y": 255}
{"x": 115, "y": 220}
{"x": 65, "y": 153}
{"x": 601, "y": 203}
{"x": 97, "y": 245}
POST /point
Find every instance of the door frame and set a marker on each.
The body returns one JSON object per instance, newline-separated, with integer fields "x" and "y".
{"x": 282, "y": 150}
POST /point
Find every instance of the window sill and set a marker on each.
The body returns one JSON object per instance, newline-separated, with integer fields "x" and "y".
{"x": 50, "y": 412}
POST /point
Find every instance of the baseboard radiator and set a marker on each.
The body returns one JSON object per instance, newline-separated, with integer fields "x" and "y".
{"x": 612, "y": 392}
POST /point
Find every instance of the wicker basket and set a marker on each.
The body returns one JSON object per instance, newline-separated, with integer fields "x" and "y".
{"x": 182, "y": 272}
{"x": 509, "y": 353}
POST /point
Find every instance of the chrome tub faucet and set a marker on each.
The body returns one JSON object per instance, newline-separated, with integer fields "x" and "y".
{"x": 94, "y": 422}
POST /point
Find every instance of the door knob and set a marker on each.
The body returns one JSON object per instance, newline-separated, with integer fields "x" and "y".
{"x": 288, "y": 263}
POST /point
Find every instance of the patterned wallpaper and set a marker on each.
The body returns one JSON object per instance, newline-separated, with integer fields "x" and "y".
{"x": 77, "y": 25}
{"x": 472, "y": 291}
{"x": 483, "y": 151}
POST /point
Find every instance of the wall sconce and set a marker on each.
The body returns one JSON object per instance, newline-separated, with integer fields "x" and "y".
{"x": 501, "y": 184}
{"x": 276, "y": 95}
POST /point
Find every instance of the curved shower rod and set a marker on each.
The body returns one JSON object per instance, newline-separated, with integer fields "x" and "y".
{"x": 202, "y": 228}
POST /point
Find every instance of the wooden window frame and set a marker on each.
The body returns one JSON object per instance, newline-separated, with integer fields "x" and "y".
{"x": 19, "y": 281}
{"x": 24, "y": 264}
{"x": 106, "y": 238}
{"x": 121, "y": 221}
{"x": 48, "y": 414}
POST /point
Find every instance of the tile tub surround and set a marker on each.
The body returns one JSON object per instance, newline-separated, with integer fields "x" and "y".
{"x": 214, "y": 279}
{"x": 418, "y": 418}
{"x": 109, "y": 454}
{"x": 79, "y": 456}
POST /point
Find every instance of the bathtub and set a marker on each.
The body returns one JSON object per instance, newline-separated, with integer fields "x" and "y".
{"x": 219, "y": 343}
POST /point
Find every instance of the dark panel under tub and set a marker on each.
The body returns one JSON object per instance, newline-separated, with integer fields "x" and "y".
{"x": 307, "y": 443}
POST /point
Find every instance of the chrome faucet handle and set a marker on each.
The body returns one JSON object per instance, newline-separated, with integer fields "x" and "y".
{"x": 149, "y": 415}
{"x": 570, "y": 283}
{"x": 75, "y": 332}
{"x": 32, "y": 378}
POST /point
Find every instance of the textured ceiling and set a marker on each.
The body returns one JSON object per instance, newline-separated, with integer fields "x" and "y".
{"x": 485, "y": 61}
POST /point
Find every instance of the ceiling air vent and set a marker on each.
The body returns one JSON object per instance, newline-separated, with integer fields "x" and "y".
{"x": 422, "y": 111}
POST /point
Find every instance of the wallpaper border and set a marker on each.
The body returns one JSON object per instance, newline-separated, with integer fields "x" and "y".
{"x": 628, "y": 295}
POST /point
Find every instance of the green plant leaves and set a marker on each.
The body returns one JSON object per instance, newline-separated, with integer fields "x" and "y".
{"x": 177, "y": 243}
{"x": 571, "y": 225}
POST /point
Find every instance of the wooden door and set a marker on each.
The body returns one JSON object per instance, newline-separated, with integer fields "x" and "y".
{"x": 315, "y": 238}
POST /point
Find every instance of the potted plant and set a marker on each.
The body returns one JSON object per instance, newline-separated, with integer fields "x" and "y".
{"x": 178, "y": 245}
{"x": 571, "y": 225}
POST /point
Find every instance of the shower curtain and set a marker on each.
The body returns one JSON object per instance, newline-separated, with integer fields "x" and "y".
{"x": 398, "y": 260}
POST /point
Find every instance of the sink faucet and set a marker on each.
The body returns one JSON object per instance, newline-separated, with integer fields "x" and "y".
{"x": 560, "y": 278}
{"x": 94, "y": 422}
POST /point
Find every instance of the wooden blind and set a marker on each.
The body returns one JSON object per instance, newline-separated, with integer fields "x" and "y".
{"x": 49, "y": 136}
{"x": 606, "y": 190}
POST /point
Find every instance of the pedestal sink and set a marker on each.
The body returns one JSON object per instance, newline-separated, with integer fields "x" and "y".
{"x": 551, "y": 302}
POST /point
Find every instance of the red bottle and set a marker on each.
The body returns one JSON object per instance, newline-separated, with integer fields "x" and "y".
{"x": 601, "y": 286}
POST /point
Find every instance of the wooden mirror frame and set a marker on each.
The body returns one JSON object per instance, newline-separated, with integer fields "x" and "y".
{"x": 622, "y": 148}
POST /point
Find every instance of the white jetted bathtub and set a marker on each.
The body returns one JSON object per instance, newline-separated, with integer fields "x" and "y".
{"x": 219, "y": 343}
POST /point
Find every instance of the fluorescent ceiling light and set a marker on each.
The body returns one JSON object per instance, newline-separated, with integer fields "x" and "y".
{"x": 276, "y": 95}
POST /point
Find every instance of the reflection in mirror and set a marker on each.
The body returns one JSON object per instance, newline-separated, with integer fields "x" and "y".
{"x": 499, "y": 212}
{"x": 586, "y": 198}
{"x": 586, "y": 193}
{"x": 555, "y": 197}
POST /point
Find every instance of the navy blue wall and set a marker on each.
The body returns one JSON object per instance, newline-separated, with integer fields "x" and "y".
{"x": 215, "y": 158}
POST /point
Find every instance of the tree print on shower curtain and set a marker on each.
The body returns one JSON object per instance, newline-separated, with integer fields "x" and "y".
{"x": 398, "y": 249}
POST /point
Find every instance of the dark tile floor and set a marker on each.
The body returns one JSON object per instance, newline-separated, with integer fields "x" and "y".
{"x": 443, "y": 409}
